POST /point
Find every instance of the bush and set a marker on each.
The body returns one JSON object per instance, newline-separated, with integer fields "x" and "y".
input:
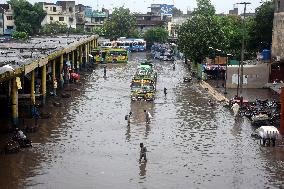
{"x": 19, "y": 35}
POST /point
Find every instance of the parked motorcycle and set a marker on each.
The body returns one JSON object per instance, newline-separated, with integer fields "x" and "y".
{"x": 11, "y": 147}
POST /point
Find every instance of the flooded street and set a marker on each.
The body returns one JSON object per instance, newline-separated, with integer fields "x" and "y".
{"x": 87, "y": 143}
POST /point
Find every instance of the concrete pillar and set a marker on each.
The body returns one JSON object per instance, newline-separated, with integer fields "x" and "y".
{"x": 54, "y": 81}
{"x": 43, "y": 83}
{"x": 78, "y": 59}
{"x": 14, "y": 100}
{"x": 32, "y": 88}
{"x": 73, "y": 60}
{"x": 53, "y": 70}
{"x": 87, "y": 52}
{"x": 282, "y": 111}
{"x": 61, "y": 71}
{"x": 96, "y": 43}
{"x": 81, "y": 55}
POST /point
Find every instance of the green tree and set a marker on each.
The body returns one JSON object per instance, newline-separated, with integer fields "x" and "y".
{"x": 27, "y": 17}
{"x": 260, "y": 27}
{"x": 55, "y": 28}
{"x": 159, "y": 35}
{"x": 121, "y": 24}
{"x": 201, "y": 31}
{"x": 99, "y": 31}
{"x": 232, "y": 27}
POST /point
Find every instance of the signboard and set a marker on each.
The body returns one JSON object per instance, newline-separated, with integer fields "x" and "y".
{"x": 166, "y": 10}
{"x": 141, "y": 81}
{"x": 235, "y": 79}
{"x": 99, "y": 14}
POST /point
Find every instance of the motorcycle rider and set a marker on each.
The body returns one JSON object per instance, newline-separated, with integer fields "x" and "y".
{"x": 20, "y": 134}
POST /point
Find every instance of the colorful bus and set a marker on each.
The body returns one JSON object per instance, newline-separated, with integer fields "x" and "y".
{"x": 143, "y": 85}
{"x": 116, "y": 55}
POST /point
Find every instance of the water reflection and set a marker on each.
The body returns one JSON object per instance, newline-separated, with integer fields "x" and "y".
{"x": 142, "y": 170}
{"x": 137, "y": 109}
{"x": 127, "y": 134}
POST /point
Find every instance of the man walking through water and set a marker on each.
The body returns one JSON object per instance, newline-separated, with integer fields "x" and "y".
{"x": 147, "y": 116}
{"x": 165, "y": 91}
{"x": 143, "y": 151}
{"x": 127, "y": 117}
{"x": 105, "y": 71}
{"x": 235, "y": 109}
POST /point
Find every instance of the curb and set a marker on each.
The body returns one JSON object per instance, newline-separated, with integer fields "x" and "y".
{"x": 217, "y": 95}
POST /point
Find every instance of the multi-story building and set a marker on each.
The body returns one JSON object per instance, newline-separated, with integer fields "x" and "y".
{"x": 80, "y": 16}
{"x": 148, "y": 21}
{"x": 62, "y": 11}
{"x": 234, "y": 11}
{"x": 7, "y": 23}
{"x": 98, "y": 19}
{"x": 175, "y": 23}
{"x": 277, "y": 48}
{"x": 88, "y": 19}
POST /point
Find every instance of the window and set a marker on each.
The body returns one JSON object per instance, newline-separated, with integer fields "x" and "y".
{"x": 9, "y": 17}
{"x": 54, "y": 9}
{"x": 10, "y": 27}
{"x": 61, "y": 18}
{"x": 51, "y": 18}
{"x": 70, "y": 9}
{"x": 278, "y": 6}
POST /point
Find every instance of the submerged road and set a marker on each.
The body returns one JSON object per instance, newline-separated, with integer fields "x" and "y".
{"x": 87, "y": 143}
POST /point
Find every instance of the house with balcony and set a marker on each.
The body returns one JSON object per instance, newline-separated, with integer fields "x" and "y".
{"x": 62, "y": 11}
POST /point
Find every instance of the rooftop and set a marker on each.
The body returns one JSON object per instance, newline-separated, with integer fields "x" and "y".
{"x": 19, "y": 54}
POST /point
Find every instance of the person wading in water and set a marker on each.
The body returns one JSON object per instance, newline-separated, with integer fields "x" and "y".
{"x": 147, "y": 116}
{"x": 165, "y": 91}
{"x": 143, "y": 151}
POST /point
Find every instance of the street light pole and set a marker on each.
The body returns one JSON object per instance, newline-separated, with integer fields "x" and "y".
{"x": 218, "y": 67}
{"x": 243, "y": 47}
{"x": 226, "y": 77}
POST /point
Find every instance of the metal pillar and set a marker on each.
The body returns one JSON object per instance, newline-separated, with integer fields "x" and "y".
{"x": 14, "y": 100}
{"x": 43, "y": 83}
{"x": 282, "y": 111}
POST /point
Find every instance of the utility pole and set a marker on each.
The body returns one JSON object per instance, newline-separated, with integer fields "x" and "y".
{"x": 243, "y": 47}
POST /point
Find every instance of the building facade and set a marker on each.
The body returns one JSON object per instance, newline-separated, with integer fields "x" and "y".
{"x": 62, "y": 11}
{"x": 147, "y": 21}
{"x": 7, "y": 22}
{"x": 277, "y": 48}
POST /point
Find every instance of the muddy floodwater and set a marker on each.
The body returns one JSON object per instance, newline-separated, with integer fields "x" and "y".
{"x": 87, "y": 143}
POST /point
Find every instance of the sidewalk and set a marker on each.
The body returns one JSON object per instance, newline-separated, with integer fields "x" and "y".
{"x": 248, "y": 94}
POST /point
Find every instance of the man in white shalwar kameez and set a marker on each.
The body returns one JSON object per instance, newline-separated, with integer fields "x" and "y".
{"x": 236, "y": 108}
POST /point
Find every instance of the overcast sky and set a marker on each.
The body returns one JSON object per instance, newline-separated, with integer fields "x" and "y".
{"x": 222, "y": 6}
